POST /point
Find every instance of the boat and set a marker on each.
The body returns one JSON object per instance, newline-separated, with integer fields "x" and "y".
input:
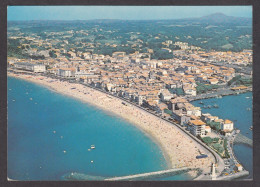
{"x": 64, "y": 151}
{"x": 13, "y": 100}
{"x": 204, "y": 106}
{"x": 201, "y": 102}
{"x": 251, "y": 128}
{"x": 247, "y": 97}
{"x": 91, "y": 161}
{"x": 248, "y": 108}
{"x": 92, "y": 147}
{"x": 209, "y": 106}
{"x": 54, "y": 132}
{"x": 31, "y": 99}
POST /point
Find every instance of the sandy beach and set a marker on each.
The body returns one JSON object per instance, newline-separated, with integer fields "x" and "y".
{"x": 178, "y": 148}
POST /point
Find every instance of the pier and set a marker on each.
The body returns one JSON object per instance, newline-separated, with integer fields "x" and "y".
{"x": 241, "y": 139}
{"x": 156, "y": 174}
{"x": 218, "y": 93}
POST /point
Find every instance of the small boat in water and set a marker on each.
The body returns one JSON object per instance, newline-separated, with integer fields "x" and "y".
{"x": 247, "y": 97}
{"x": 201, "y": 102}
{"x": 251, "y": 128}
{"x": 248, "y": 108}
{"x": 54, "y": 132}
{"x": 215, "y": 106}
{"x": 13, "y": 100}
{"x": 92, "y": 147}
{"x": 31, "y": 99}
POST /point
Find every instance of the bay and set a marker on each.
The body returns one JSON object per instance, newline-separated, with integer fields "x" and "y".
{"x": 49, "y": 136}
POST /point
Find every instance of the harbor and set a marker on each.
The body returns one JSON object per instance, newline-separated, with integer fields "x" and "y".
{"x": 235, "y": 107}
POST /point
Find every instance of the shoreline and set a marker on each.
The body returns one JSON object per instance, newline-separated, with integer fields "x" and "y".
{"x": 164, "y": 152}
{"x": 166, "y": 136}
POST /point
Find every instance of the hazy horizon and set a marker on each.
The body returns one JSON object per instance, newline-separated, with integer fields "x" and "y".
{"x": 82, "y": 13}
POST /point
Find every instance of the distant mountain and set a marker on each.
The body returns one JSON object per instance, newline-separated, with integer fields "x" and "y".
{"x": 220, "y": 18}
{"x": 212, "y": 19}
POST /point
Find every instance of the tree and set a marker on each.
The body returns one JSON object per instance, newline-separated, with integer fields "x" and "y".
{"x": 52, "y": 54}
{"x": 207, "y": 140}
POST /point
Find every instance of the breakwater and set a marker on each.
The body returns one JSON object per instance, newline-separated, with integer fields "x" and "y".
{"x": 149, "y": 175}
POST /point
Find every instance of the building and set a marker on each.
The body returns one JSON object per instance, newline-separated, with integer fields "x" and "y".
{"x": 166, "y": 95}
{"x": 37, "y": 68}
{"x": 227, "y": 127}
{"x": 197, "y": 127}
{"x": 66, "y": 72}
{"x": 239, "y": 167}
{"x": 208, "y": 129}
{"x": 118, "y": 54}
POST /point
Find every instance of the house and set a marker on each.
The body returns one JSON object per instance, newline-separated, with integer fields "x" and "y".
{"x": 213, "y": 81}
{"x": 166, "y": 95}
{"x": 175, "y": 101}
{"x": 181, "y": 117}
{"x": 205, "y": 116}
{"x": 53, "y": 71}
{"x": 190, "y": 90}
{"x": 227, "y": 127}
{"x": 238, "y": 167}
{"x": 197, "y": 127}
{"x": 207, "y": 129}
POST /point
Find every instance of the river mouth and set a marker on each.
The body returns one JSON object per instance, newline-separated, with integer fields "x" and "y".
{"x": 237, "y": 108}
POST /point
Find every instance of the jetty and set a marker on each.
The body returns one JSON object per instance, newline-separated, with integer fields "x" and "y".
{"x": 241, "y": 139}
{"x": 220, "y": 92}
{"x": 156, "y": 174}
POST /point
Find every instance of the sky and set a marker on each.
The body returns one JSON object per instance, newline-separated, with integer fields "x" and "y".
{"x": 121, "y": 12}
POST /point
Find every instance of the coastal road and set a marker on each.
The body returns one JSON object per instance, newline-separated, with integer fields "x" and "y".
{"x": 218, "y": 160}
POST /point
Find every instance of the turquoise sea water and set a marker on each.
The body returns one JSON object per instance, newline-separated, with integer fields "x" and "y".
{"x": 234, "y": 107}
{"x": 50, "y": 134}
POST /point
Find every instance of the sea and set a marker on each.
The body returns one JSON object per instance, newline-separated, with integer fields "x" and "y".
{"x": 50, "y": 137}
{"x": 237, "y": 108}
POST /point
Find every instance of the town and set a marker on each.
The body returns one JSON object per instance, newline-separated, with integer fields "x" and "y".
{"x": 164, "y": 87}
